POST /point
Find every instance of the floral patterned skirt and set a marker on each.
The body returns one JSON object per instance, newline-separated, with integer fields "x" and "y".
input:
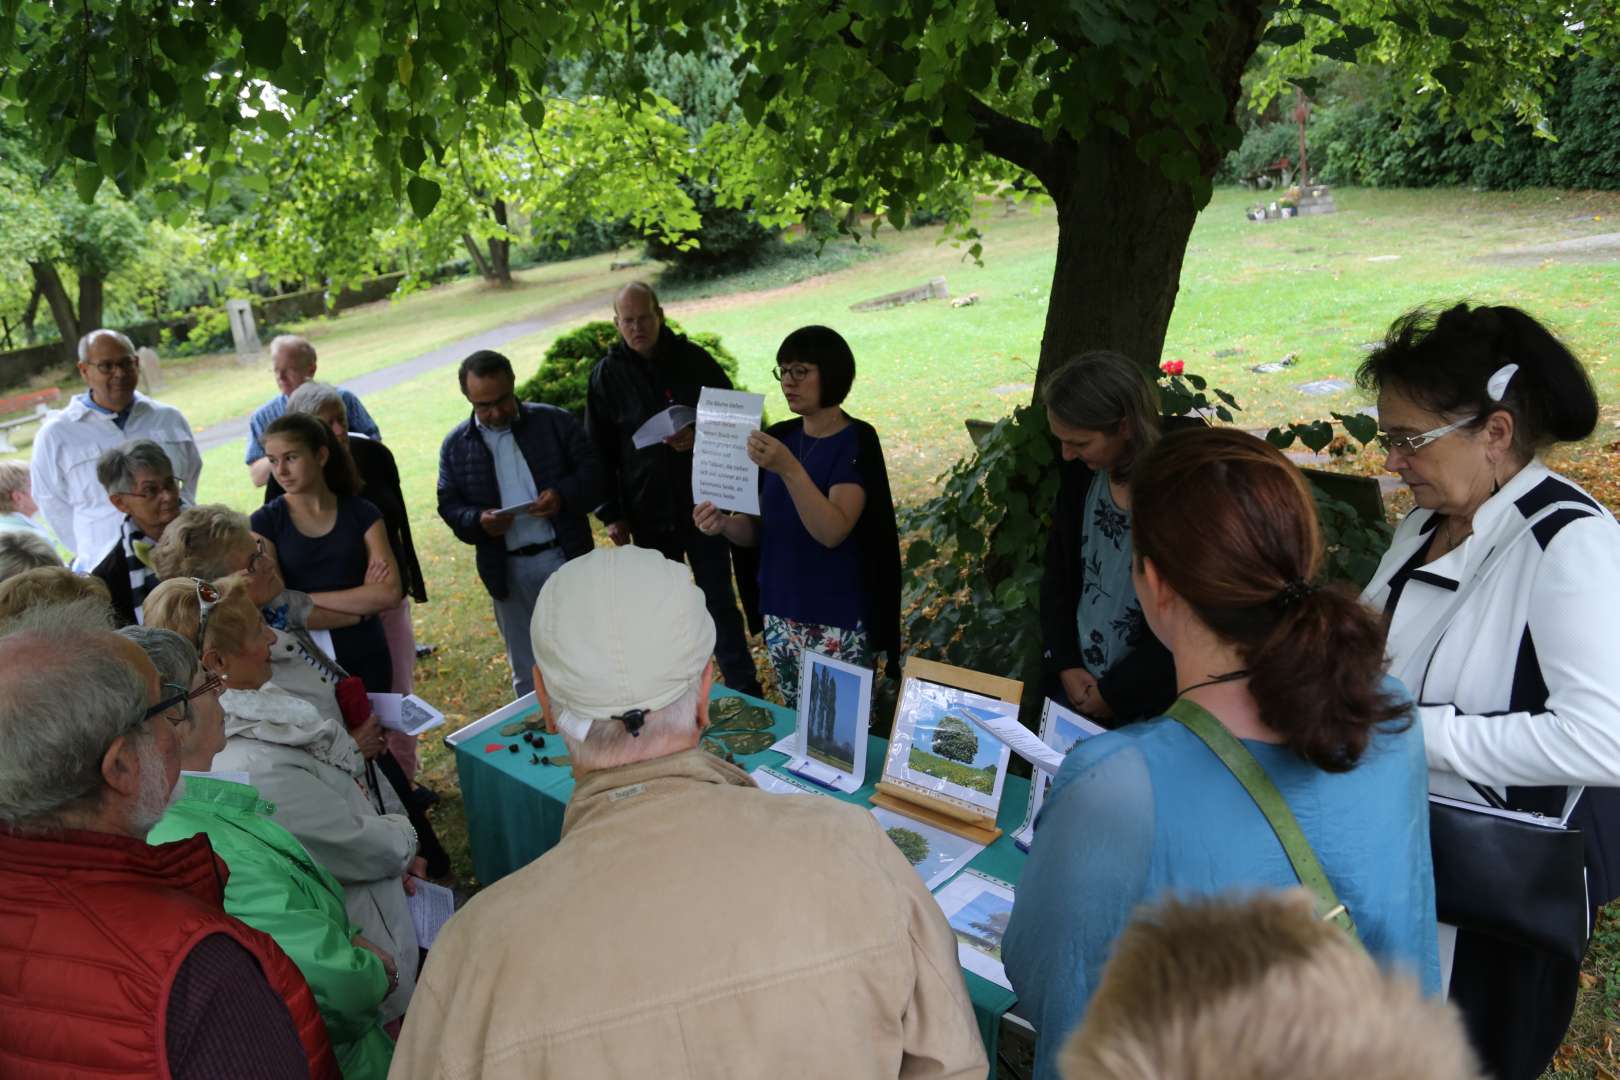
{"x": 786, "y": 638}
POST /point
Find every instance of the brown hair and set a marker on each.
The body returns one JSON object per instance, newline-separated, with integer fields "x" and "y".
{"x": 1230, "y": 525}
{"x": 340, "y": 474}
{"x": 1258, "y": 988}
{"x": 45, "y": 586}
{"x": 173, "y": 606}
{"x": 1099, "y": 391}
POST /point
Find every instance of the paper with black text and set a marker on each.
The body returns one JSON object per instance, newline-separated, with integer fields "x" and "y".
{"x": 663, "y": 425}
{"x": 1023, "y": 742}
{"x": 431, "y": 907}
{"x": 405, "y": 713}
{"x": 722, "y": 472}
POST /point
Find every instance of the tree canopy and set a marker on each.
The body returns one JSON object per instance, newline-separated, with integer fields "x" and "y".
{"x": 1117, "y": 111}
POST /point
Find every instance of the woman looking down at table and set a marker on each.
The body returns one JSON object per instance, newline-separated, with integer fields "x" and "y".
{"x": 1101, "y": 659}
{"x": 829, "y": 574}
{"x": 1502, "y": 594}
{"x": 303, "y": 764}
{"x": 1227, "y": 548}
{"x": 330, "y": 543}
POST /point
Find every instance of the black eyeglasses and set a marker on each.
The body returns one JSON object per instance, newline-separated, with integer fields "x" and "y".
{"x": 796, "y": 373}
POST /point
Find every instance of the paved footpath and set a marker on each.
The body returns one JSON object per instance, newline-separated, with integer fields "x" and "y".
{"x": 373, "y": 382}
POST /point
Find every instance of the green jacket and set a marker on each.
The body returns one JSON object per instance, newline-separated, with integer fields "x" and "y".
{"x": 276, "y": 887}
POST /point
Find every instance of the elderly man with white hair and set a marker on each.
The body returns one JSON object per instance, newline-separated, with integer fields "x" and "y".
{"x": 292, "y": 362}
{"x": 108, "y": 414}
{"x": 688, "y": 924}
{"x": 119, "y": 957}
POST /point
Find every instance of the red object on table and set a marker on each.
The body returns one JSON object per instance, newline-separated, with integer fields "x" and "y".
{"x": 490, "y": 748}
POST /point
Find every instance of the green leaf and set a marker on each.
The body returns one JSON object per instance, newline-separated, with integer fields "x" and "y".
{"x": 919, "y": 553}
{"x": 1336, "y": 49}
{"x": 87, "y": 180}
{"x": 1359, "y": 36}
{"x": 265, "y": 42}
{"x": 1360, "y": 426}
{"x": 1279, "y": 438}
{"x": 1316, "y": 435}
{"x": 533, "y": 111}
{"x": 424, "y": 195}
{"x": 1447, "y": 27}
{"x": 164, "y": 88}
{"x": 411, "y": 153}
{"x": 81, "y": 142}
{"x": 1316, "y": 7}
{"x": 1406, "y": 22}
{"x": 1284, "y": 34}
{"x": 272, "y": 123}
{"x": 1451, "y": 76}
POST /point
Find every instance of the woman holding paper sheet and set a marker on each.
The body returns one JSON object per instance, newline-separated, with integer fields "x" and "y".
{"x": 1101, "y": 659}
{"x": 1502, "y": 594}
{"x": 1331, "y": 750}
{"x": 303, "y": 764}
{"x": 829, "y": 576}
{"x": 274, "y": 886}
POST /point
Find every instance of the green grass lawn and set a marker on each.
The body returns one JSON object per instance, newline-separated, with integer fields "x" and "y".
{"x": 1317, "y": 287}
{"x": 980, "y": 780}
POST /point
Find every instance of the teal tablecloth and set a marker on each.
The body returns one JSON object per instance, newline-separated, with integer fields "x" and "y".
{"x": 515, "y": 811}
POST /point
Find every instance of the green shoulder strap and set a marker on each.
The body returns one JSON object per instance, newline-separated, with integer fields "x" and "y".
{"x": 1236, "y": 757}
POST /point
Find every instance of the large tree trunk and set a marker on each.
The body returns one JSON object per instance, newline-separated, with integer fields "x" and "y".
{"x": 90, "y": 295}
{"x": 500, "y": 249}
{"x": 67, "y": 323}
{"x": 477, "y": 255}
{"x": 1122, "y": 235}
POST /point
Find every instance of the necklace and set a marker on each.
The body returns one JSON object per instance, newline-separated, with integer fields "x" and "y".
{"x": 804, "y": 459}
{"x": 1451, "y": 537}
{"x": 1230, "y": 676}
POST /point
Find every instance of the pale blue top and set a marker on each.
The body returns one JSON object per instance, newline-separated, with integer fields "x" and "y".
{"x": 1108, "y": 616}
{"x": 516, "y": 482}
{"x": 1148, "y": 811}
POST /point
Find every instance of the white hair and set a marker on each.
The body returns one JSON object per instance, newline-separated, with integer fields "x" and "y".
{"x": 62, "y": 703}
{"x": 23, "y": 550}
{"x": 96, "y": 335}
{"x": 293, "y": 343}
{"x": 609, "y": 742}
{"x": 314, "y": 396}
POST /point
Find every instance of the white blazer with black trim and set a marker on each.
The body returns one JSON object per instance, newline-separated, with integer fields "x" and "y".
{"x": 1511, "y": 643}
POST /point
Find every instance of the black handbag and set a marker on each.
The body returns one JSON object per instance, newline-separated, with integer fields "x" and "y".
{"x": 1509, "y": 875}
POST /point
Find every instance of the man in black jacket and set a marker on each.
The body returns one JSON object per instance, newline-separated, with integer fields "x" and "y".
{"x": 512, "y": 454}
{"x": 648, "y": 492}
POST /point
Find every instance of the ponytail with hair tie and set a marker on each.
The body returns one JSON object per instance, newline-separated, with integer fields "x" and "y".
{"x": 1293, "y": 592}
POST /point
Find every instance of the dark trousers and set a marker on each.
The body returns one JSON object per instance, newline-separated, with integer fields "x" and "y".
{"x": 1516, "y": 1002}
{"x": 710, "y": 560}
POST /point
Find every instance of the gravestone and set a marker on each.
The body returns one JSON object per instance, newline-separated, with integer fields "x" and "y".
{"x": 151, "y": 369}
{"x": 1323, "y": 387}
{"x": 934, "y": 288}
{"x": 244, "y": 332}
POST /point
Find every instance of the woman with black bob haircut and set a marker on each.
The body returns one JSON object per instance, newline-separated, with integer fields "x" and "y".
{"x": 1100, "y": 658}
{"x": 829, "y": 549}
{"x": 1501, "y": 591}
{"x": 1283, "y": 717}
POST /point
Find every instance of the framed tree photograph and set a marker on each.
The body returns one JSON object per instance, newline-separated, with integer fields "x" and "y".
{"x": 835, "y": 714}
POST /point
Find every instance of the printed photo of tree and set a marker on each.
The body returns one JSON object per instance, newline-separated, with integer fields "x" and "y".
{"x": 954, "y": 749}
{"x": 982, "y": 923}
{"x": 832, "y": 721}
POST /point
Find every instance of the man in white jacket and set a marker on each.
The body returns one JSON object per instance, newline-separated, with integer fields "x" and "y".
{"x": 110, "y": 413}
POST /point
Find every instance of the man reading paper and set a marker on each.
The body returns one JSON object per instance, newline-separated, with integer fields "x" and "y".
{"x": 516, "y": 481}
{"x": 648, "y": 490}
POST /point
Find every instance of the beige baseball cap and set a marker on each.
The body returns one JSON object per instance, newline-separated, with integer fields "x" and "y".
{"x": 617, "y": 629}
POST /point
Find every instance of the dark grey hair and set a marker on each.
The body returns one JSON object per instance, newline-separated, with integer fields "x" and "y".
{"x": 1097, "y": 391}
{"x": 117, "y": 467}
{"x": 172, "y": 655}
{"x": 313, "y": 396}
{"x": 95, "y": 335}
{"x": 63, "y": 700}
{"x": 23, "y": 550}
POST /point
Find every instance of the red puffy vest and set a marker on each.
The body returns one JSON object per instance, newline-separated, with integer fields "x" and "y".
{"x": 93, "y": 928}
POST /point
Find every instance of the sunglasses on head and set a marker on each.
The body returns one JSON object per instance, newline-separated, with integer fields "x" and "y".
{"x": 207, "y": 601}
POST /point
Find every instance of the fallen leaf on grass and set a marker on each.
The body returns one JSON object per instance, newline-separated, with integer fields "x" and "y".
{"x": 1588, "y": 979}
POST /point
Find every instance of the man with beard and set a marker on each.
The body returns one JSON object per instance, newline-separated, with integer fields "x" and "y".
{"x": 120, "y": 958}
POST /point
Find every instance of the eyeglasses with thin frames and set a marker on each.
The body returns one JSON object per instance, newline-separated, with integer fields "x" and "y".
{"x": 153, "y": 491}
{"x": 126, "y": 365}
{"x": 1411, "y": 444}
{"x": 181, "y": 696}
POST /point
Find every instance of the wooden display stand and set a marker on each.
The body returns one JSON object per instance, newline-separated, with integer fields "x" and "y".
{"x": 913, "y": 800}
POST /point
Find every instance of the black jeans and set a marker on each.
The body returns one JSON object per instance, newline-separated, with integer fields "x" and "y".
{"x": 710, "y": 560}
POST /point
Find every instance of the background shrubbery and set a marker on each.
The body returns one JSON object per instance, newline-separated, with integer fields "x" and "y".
{"x": 565, "y": 371}
{"x": 1357, "y": 136}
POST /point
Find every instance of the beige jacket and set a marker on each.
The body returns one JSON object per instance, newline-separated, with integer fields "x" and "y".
{"x": 690, "y": 925}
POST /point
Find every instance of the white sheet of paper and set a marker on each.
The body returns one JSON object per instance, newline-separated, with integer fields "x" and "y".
{"x": 787, "y": 744}
{"x": 323, "y": 638}
{"x": 663, "y": 425}
{"x": 516, "y": 508}
{"x": 721, "y": 470}
{"x": 405, "y": 712}
{"x": 1026, "y": 744}
{"x": 431, "y": 907}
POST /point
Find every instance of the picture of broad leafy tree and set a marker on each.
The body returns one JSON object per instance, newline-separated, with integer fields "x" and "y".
{"x": 912, "y": 844}
{"x": 983, "y": 924}
{"x": 952, "y": 753}
{"x": 831, "y": 736}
